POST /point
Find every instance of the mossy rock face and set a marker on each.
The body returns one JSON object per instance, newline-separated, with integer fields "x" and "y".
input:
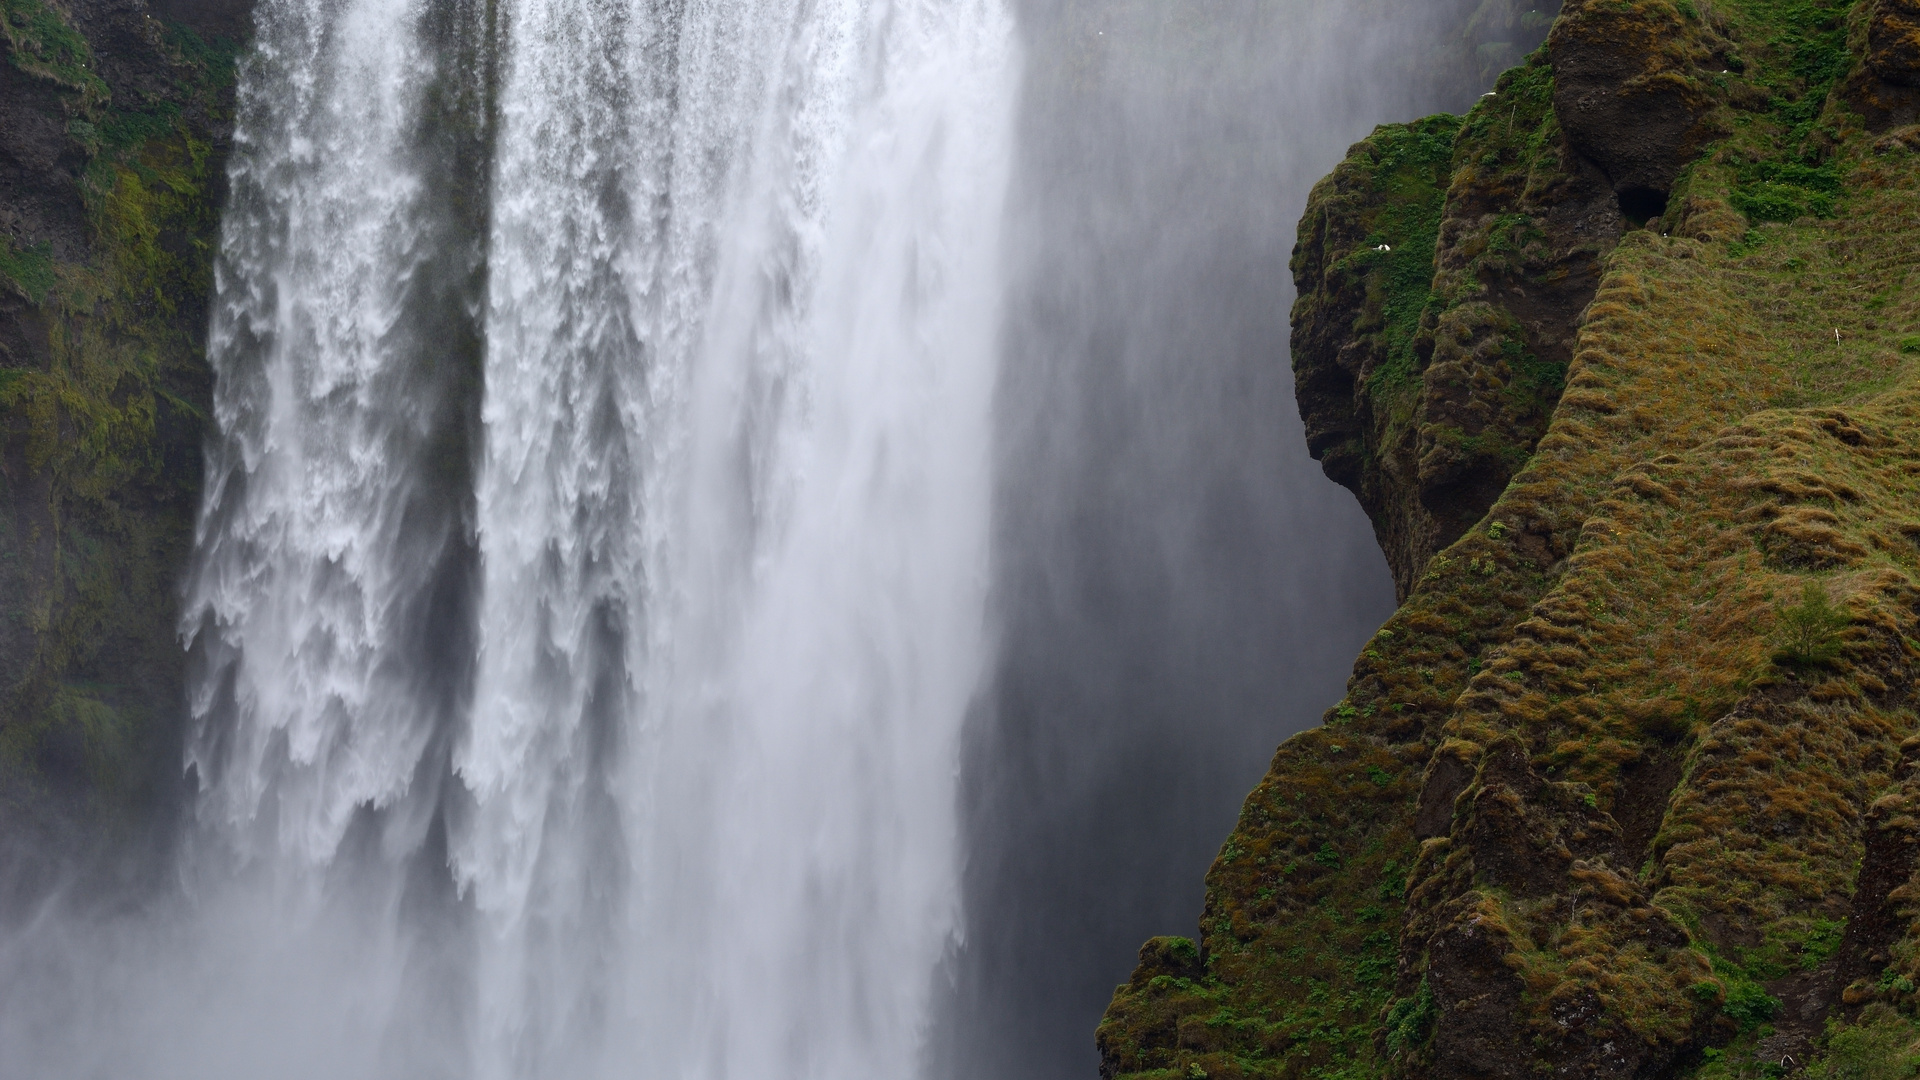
{"x": 1440, "y": 272}
{"x": 1626, "y": 786}
{"x": 1364, "y": 268}
{"x": 114, "y": 136}
{"x": 1631, "y": 86}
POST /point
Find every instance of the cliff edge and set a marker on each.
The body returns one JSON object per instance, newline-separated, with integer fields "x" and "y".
{"x": 1625, "y": 367}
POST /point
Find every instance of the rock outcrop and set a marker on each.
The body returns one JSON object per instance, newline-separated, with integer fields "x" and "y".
{"x": 1885, "y": 88}
{"x": 1440, "y": 270}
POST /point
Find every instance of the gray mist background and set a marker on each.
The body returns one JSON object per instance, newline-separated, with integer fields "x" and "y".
{"x": 1179, "y": 586}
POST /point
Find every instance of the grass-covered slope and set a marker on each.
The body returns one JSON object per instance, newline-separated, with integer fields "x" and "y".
{"x": 112, "y": 130}
{"x": 1622, "y": 789}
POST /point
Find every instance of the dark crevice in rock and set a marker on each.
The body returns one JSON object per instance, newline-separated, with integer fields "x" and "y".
{"x": 1876, "y": 921}
{"x": 1447, "y": 777}
{"x": 1640, "y": 803}
{"x": 1642, "y": 204}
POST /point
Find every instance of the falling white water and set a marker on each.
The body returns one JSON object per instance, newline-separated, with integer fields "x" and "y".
{"x": 315, "y": 551}
{"x": 675, "y": 645}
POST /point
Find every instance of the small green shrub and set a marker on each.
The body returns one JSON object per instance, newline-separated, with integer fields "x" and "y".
{"x": 1753, "y": 241}
{"x": 1822, "y": 942}
{"x": 1393, "y": 881}
{"x": 1881, "y": 1047}
{"x": 1410, "y": 1021}
{"x": 1809, "y": 632}
{"x": 1749, "y": 1006}
{"x": 1375, "y": 969}
{"x": 1910, "y": 343}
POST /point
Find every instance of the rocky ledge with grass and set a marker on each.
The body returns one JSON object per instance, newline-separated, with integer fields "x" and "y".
{"x": 1625, "y": 366}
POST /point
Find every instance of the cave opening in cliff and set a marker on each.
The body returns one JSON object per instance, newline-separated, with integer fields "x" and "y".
{"x": 1639, "y": 204}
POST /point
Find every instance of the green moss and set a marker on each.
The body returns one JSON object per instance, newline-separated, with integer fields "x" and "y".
{"x": 1786, "y": 191}
{"x": 45, "y": 44}
{"x": 1408, "y": 176}
{"x": 213, "y": 64}
{"x": 1409, "y": 1022}
{"x": 1748, "y": 1005}
{"x": 31, "y": 271}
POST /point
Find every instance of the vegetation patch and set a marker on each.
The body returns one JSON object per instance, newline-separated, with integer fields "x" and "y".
{"x": 45, "y": 44}
{"x": 1883, "y": 1046}
{"x": 1809, "y": 632}
{"x": 30, "y": 271}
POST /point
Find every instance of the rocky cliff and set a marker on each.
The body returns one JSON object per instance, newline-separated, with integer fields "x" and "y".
{"x": 1624, "y": 364}
{"x": 114, "y": 121}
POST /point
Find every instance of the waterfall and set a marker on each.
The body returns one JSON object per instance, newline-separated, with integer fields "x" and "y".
{"x": 591, "y": 583}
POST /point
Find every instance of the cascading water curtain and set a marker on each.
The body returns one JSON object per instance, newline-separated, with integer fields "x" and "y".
{"x": 597, "y": 523}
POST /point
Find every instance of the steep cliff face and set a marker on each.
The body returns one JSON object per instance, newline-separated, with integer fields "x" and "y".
{"x": 1624, "y": 788}
{"x": 114, "y": 118}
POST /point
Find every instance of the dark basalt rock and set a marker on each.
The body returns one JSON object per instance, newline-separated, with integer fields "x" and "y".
{"x": 1447, "y": 777}
{"x": 1529, "y": 839}
{"x": 1478, "y": 996}
{"x": 39, "y": 188}
{"x": 1884, "y": 888}
{"x": 1885, "y": 89}
{"x": 1524, "y": 833}
{"x": 1176, "y": 957}
{"x": 1628, "y": 94}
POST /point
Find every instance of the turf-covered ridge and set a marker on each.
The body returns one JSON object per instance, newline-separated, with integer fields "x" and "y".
{"x": 1625, "y": 787}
